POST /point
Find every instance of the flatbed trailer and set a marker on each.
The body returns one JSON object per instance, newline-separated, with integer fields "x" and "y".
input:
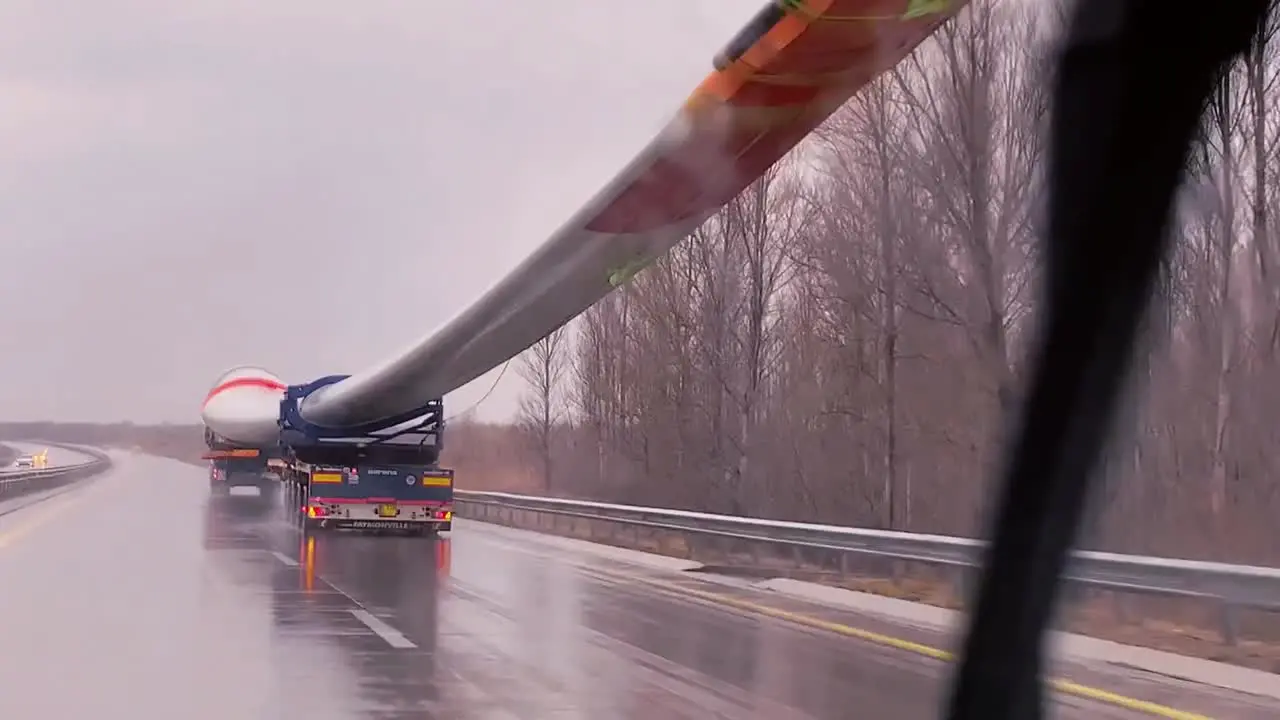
{"x": 384, "y": 479}
{"x": 375, "y": 496}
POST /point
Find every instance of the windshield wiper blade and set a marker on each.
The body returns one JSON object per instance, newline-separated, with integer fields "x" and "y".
{"x": 1132, "y": 82}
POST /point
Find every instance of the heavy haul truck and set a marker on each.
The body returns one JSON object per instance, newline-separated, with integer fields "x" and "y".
{"x": 232, "y": 466}
{"x": 382, "y": 479}
{"x": 380, "y": 476}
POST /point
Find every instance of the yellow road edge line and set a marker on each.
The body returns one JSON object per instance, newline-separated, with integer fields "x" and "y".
{"x": 1066, "y": 687}
{"x": 1061, "y": 685}
{"x": 40, "y": 519}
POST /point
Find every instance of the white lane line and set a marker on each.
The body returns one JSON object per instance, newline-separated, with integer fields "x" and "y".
{"x": 285, "y": 559}
{"x": 393, "y": 636}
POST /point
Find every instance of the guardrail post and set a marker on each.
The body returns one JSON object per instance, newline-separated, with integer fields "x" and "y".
{"x": 963, "y": 580}
{"x": 1120, "y": 606}
{"x": 690, "y": 545}
{"x": 721, "y": 546}
{"x": 1230, "y": 624}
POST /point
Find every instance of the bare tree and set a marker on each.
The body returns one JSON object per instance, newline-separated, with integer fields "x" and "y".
{"x": 976, "y": 109}
{"x": 1224, "y": 121}
{"x": 1259, "y": 81}
{"x": 864, "y": 142}
{"x": 842, "y": 342}
{"x": 541, "y": 409}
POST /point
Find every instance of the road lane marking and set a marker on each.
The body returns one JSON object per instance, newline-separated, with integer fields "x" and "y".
{"x": 37, "y": 498}
{"x": 51, "y": 511}
{"x": 1061, "y": 685}
{"x": 712, "y": 696}
{"x": 290, "y": 562}
{"x": 393, "y": 636}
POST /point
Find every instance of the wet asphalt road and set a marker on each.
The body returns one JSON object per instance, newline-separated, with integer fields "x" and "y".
{"x": 139, "y": 596}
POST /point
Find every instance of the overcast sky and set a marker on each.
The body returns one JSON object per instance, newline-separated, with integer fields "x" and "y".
{"x": 305, "y": 185}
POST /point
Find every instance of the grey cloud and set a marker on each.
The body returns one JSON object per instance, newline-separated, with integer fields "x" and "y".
{"x": 307, "y": 186}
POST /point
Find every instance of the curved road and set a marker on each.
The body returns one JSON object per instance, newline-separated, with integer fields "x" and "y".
{"x": 138, "y": 596}
{"x": 58, "y": 456}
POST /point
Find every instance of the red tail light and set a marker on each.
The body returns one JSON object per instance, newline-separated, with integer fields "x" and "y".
{"x": 315, "y": 511}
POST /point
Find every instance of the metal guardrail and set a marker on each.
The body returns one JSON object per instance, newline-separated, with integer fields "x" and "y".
{"x": 1226, "y": 586}
{"x": 15, "y": 482}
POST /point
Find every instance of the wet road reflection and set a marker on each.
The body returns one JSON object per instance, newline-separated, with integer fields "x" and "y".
{"x": 140, "y": 596}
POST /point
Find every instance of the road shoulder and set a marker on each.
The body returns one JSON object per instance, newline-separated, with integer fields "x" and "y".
{"x": 1148, "y": 681}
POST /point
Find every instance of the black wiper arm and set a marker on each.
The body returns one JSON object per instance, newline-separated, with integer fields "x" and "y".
{"x": 1132, "y": 82}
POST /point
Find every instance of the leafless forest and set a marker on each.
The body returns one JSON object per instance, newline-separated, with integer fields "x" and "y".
{"x": 844, "y": 341}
